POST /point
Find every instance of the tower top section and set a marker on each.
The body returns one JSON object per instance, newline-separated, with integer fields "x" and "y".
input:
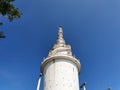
{"x": 60, "y": 51}
{"x": 60, "y": 48}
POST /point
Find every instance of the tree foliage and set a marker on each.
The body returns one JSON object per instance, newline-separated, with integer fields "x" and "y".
{"x": 8, "y": 10}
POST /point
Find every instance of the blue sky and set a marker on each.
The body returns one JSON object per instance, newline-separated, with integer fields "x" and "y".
{"x": 91, "y": 27}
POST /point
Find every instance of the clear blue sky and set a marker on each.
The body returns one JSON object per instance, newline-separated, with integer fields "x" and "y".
{"x": 91, "y": 27}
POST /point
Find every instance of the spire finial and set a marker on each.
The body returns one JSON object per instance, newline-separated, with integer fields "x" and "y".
{"x": 60, "y": 46}
{"x": 60, "y": 33}
{"x": 60, "y": 41}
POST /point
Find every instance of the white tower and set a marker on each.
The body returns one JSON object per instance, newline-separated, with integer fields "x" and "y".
{"x": 60, "y": 69}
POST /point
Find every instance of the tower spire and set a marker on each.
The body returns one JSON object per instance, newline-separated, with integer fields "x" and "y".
{"x": 60, "y": 45}
{"x": 60, "y": 33}
{"x": 60, "y": 41}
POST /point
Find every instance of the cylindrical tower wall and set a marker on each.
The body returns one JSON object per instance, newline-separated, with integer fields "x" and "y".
{"x": 61, "y": 74}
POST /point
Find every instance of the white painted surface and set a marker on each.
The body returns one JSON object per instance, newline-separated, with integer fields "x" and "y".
{"x": 61, "y": 74}
{"x": 39, "y": 81}
{"x": 84, "y": 88}
{"x": 60, "y": 68}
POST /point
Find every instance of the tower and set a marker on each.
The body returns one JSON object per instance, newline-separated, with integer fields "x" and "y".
{"x": 60, "y": 69}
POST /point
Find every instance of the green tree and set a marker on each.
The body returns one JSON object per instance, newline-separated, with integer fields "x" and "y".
{"x": 8, "y": 11}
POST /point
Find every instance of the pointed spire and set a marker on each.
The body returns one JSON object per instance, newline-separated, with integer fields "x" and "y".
{"x": 60, "y": 33}
{"x": 60, "y": 45}
{"x": 60, "y": 41}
